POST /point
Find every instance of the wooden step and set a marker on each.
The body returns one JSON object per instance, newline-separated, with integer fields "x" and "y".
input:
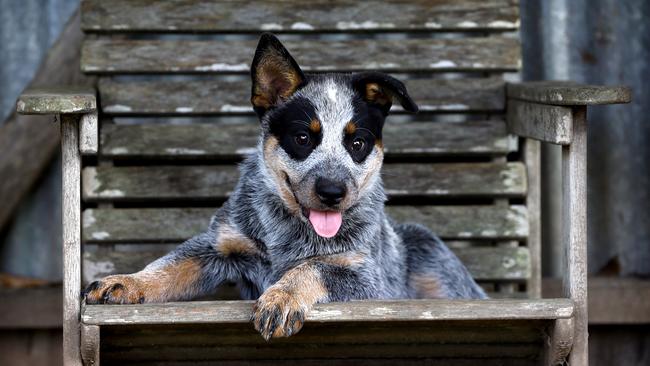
{"x": 233, "y": 141}
{"x": 101, "y": 56}
{"x": 224, "y": 97}
{"x": 484, "y": 263}
{"x": 191, "y": 183}
{"x": 312, "y": 16}
{"x": 146, "y": 225}
{"x": 457, "y": 331}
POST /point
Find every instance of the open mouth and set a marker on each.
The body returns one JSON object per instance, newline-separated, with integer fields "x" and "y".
{"x": 325, "y": 223}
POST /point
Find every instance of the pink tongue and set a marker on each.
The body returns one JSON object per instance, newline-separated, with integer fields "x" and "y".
{"x": 325, "y": 223}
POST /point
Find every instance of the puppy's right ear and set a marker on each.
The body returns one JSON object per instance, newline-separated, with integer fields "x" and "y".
{"x": 275, "y": 74}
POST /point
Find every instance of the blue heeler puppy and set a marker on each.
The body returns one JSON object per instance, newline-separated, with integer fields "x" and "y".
{"x": 306, "y": 221}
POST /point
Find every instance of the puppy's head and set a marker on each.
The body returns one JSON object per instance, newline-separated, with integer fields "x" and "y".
{"x": 322, "y": 133}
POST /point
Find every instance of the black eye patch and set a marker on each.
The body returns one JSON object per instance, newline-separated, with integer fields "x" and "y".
{"x": 364, "y": 131}
{"x": 296, "y": 127}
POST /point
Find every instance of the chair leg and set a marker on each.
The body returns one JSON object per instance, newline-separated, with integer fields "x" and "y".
{"x": 559, "y": 342}
{"x": 90, "y": 345}
{"x": 71, "y": 205}
{"x": 574, "y": 219}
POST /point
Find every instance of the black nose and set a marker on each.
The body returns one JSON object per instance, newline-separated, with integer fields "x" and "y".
{"x": 329, "y": 192}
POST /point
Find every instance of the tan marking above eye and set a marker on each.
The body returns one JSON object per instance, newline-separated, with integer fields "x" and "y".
{"x": 350, "y": 128}
{"x": 315, "y": 126}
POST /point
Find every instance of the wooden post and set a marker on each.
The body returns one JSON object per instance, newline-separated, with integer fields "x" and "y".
{"x": 90, "y": 337}
{"x": 574, "y": 231}
{"x": 71, "y": 205}
{"x": 532, "y": 157}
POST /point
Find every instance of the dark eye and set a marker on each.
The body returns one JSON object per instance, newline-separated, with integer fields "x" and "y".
{"x": 358, "y": 144}
{"x": 302, "y": 139}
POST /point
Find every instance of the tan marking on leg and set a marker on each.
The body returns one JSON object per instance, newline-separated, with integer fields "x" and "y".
{"x": 426, "y": 287}
{"x": 348, "y": 259}
{"x": 278, "y": 171}
{"x": 350, "y": 128}
{"x": 174, "y": 281}
{"x": 231, "y": 241}
{"x": 281, "y": 309}
{"x": 315, "y": 126}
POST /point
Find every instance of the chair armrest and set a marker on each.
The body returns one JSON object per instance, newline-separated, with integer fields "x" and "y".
{"x": 544, "y": 110}
{"x": 59, "y": 100}
{"x": 568, "y": 93}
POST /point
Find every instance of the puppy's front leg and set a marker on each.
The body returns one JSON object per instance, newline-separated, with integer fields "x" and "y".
{"x": 281, "y": 310}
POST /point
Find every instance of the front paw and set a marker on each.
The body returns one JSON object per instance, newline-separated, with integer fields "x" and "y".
{"x": 118, "y": 289}
{"x": 277, "y": 313}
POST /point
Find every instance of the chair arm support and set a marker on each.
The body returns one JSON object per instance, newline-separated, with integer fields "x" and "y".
{"x": 568, "y": 93}
{"x": 544, "y": 110}
{"x": 59, "y": 100}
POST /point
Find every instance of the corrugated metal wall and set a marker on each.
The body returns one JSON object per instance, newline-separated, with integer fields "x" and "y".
{"x": 597, "y": 41}
{"x": 32, "y": 243}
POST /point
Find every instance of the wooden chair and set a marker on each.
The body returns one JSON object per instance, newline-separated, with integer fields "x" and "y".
{"x": 149, "y": 154}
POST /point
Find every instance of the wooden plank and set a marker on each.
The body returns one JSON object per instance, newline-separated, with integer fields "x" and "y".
{"x": 323, "y": 351}
{"x": 333, "y": 334}
{"x": 54, "y": 100}
{"x": 103, "y": 56}
{"x": 394, "y": 361}
{"x": 219, "y": 96}
{"x": 541, "y": 122}
{"x": 313, "y": 16}
{"x": 31, "y": 308}
{"x": 574, "y": 231}
{"x": 608, "y": 296}
{"x": 144, "y": 225}
{"x": 233, "y": 141}
{"x": 532, "y": 159}
{"x": 89, "y": 134}
{"x": 484, "y": 263}
{"x": 559, "y": 342}
{"x": 71, "y": 213}
{"x": 569, "y": 93}
{"x": 228, "y": 312}
{"x": 21, "y": 164}
{"x": 90, "y": 338}
{"x": 156, "y": 183}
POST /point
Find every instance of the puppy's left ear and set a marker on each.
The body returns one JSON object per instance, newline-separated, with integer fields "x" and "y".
{"x": 379, "y": 89}
{"x": 275, "y": 74}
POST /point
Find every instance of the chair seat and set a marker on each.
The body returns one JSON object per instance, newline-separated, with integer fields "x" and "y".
{"x": 504, "y": 332}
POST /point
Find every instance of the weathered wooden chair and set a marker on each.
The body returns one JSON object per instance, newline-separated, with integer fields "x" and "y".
{"x": 147, "y": 158}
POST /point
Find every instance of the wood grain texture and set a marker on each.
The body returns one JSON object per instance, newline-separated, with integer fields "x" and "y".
{"x": 71, "y": 213}
{"x": 608, "y": 295}
{"x": 174, "y": 225}
{"x": 54, "y": 100}
{"x": 234, "y": 141}
{"x": 101, "y": 56}
{"x": 532, "y": 158}
{"x": 223, "y": 97}
{"x": 542, "y": 122}
{"x": 169, "y": 183}
{"x": 569, "y": 93}
{"x": 559, "y": 343}
{"x": 89, "y": 133}
{"x": 574, "y": 231}
{"x": 313, "y": 16}
{"x": 90, "y": 344}
{"x": 225, "y": 312}
{"x": 484, "y": 263}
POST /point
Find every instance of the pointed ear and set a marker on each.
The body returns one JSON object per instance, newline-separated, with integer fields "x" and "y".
{"x": 275, "y": 74}
{"x": 379, "y": 89}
